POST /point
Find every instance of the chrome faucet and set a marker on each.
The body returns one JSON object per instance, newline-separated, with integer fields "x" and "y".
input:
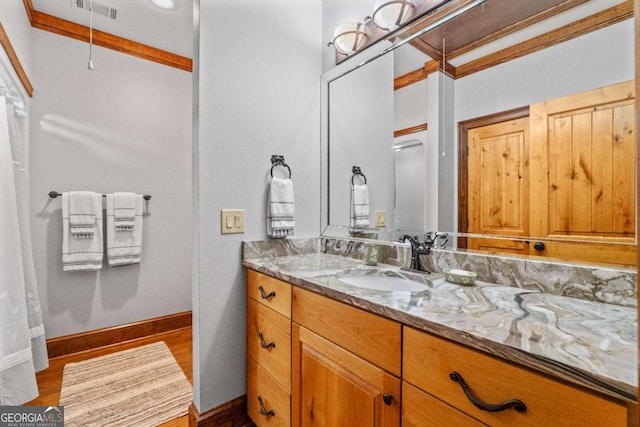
{"x": 417, "y": 248}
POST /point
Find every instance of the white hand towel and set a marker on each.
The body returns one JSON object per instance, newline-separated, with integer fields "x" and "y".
{"x": 281, "y": 210}
{"x": 124, "y": 211}
{"x": 124, "y": 247}
{"x": 82, "y": 214}
{"x": 360, "y": 208}
{"x": 82, "y": 254}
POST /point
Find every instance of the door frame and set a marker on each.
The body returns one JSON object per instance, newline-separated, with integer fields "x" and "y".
{"x": 463, "y": 164}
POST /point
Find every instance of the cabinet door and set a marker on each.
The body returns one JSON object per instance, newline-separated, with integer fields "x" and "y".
{"x": 331, "y": 386}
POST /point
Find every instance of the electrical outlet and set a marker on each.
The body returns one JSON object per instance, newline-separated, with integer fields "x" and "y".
{"x": 232, "y": 221}
{"x": 381, "y": 218}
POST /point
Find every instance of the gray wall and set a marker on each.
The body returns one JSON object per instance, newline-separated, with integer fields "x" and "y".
{"x": 126, "y": 126}
{"x": 259, "y": 94}
{"x": 594, "y": 60}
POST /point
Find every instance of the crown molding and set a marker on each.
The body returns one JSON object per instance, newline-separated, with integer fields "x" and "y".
{"x": 75, "y": 31}
{"x": 15, "y": 61}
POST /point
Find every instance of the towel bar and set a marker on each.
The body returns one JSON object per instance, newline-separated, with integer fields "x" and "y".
{"x": 54, "y": 194}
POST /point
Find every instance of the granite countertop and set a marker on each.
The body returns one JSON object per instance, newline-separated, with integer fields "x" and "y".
{"x": 592, "y": 344}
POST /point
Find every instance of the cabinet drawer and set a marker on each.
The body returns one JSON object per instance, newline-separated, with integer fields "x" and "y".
{"x": 420, "y": 409}
{"x": 269, "y": 291}
{"x": 261, "y": 387}
{"x": 428, "y": 362}
{"x": 367, "y": 335}
{"x": 269, "y": 341}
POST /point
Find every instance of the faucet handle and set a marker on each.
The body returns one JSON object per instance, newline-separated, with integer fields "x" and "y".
{"x": 430, "y": 237}
{"x": 444, "y": 239}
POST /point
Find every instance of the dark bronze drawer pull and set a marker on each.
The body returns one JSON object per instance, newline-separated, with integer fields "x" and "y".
{"x": 263, "y": 344}
{"x": 263, "y": 411}
{"x": 264, "y": 295}
{"x": 516, "y": 404}
{"x": 387, "y": 398}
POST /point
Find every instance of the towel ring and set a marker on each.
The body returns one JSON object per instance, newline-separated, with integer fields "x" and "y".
{"x": 357, "y": 171}
{"x": 277, "y": 160}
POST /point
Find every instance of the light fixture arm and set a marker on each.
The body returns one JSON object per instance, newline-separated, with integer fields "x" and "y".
{"x": 90, "y": 64}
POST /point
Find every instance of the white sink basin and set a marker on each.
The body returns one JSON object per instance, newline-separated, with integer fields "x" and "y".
{"x": 380, "y": 280}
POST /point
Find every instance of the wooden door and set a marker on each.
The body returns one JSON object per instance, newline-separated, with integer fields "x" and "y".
{"x": 498, "y": 186}
{"x": 333, "y": 387}
{"x": 583, "y": 176}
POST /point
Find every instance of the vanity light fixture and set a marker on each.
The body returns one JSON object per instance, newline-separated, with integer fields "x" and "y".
{"x": 389, "y": 14}
{"x": 349, "y": 37}
{"x": 165, "y": 4}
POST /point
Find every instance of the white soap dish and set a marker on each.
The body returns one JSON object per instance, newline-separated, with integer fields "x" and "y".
{"x": 459, "y": 277}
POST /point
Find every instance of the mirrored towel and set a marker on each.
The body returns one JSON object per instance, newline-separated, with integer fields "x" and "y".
{"x": 360, "y": 206}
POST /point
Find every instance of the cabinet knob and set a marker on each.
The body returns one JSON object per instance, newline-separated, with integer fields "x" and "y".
{"x": 265, "y": 295}
{"x": 387, "y": 399}
{"x": 263, "y": 411}
{"x": 539, "y": 246}
{"x": 516, "y": 404}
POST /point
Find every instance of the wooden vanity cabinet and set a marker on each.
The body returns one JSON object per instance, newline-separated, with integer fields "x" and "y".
{"x": 268, "y": 350}
{"x": 420, "y": 409}
{"x": 312, "y": 360}
{"x": 428, "y": 365}
{"x": 346, "y": 364}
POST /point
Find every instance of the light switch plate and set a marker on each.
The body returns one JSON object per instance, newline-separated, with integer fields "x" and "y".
{"x": 381, "y": 218}
{"x": 232, "y": 221}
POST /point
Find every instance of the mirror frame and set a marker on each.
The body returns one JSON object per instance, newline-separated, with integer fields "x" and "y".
{"x": 372, "y": 52}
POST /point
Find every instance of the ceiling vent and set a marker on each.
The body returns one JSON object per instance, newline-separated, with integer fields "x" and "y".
{"x": 98, "y": 8}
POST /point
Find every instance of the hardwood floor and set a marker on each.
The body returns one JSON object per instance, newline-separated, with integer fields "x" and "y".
{"x": 179, "y": 341}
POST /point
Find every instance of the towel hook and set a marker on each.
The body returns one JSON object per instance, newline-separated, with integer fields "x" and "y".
{"x": 357, "y": 171}
{"x": 277, "y": 160}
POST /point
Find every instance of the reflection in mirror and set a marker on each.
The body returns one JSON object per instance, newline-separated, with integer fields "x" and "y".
{"x": 573, "y": 194}
{"x": 410, "y": 185}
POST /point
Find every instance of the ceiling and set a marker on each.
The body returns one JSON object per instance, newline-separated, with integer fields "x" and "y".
{"x": 499, "y": 25}
{"x": 496, "y": 24}
{"x": 136, "y": 20}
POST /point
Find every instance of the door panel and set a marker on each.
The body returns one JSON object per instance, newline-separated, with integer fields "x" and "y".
{"x": 565, "y": 176}
{"x": 333, "y": 396}
{"x": 583, "y": 175}
{"x": 498, "y": 185}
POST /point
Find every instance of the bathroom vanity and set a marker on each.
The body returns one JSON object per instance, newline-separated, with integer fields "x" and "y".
{"x": 323, "y": 351}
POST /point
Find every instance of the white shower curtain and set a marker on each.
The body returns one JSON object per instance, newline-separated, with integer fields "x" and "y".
{"x": 23, "y": 350}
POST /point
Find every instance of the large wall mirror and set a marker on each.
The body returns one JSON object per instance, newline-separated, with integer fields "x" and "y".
{"x": 510, "y": 127}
